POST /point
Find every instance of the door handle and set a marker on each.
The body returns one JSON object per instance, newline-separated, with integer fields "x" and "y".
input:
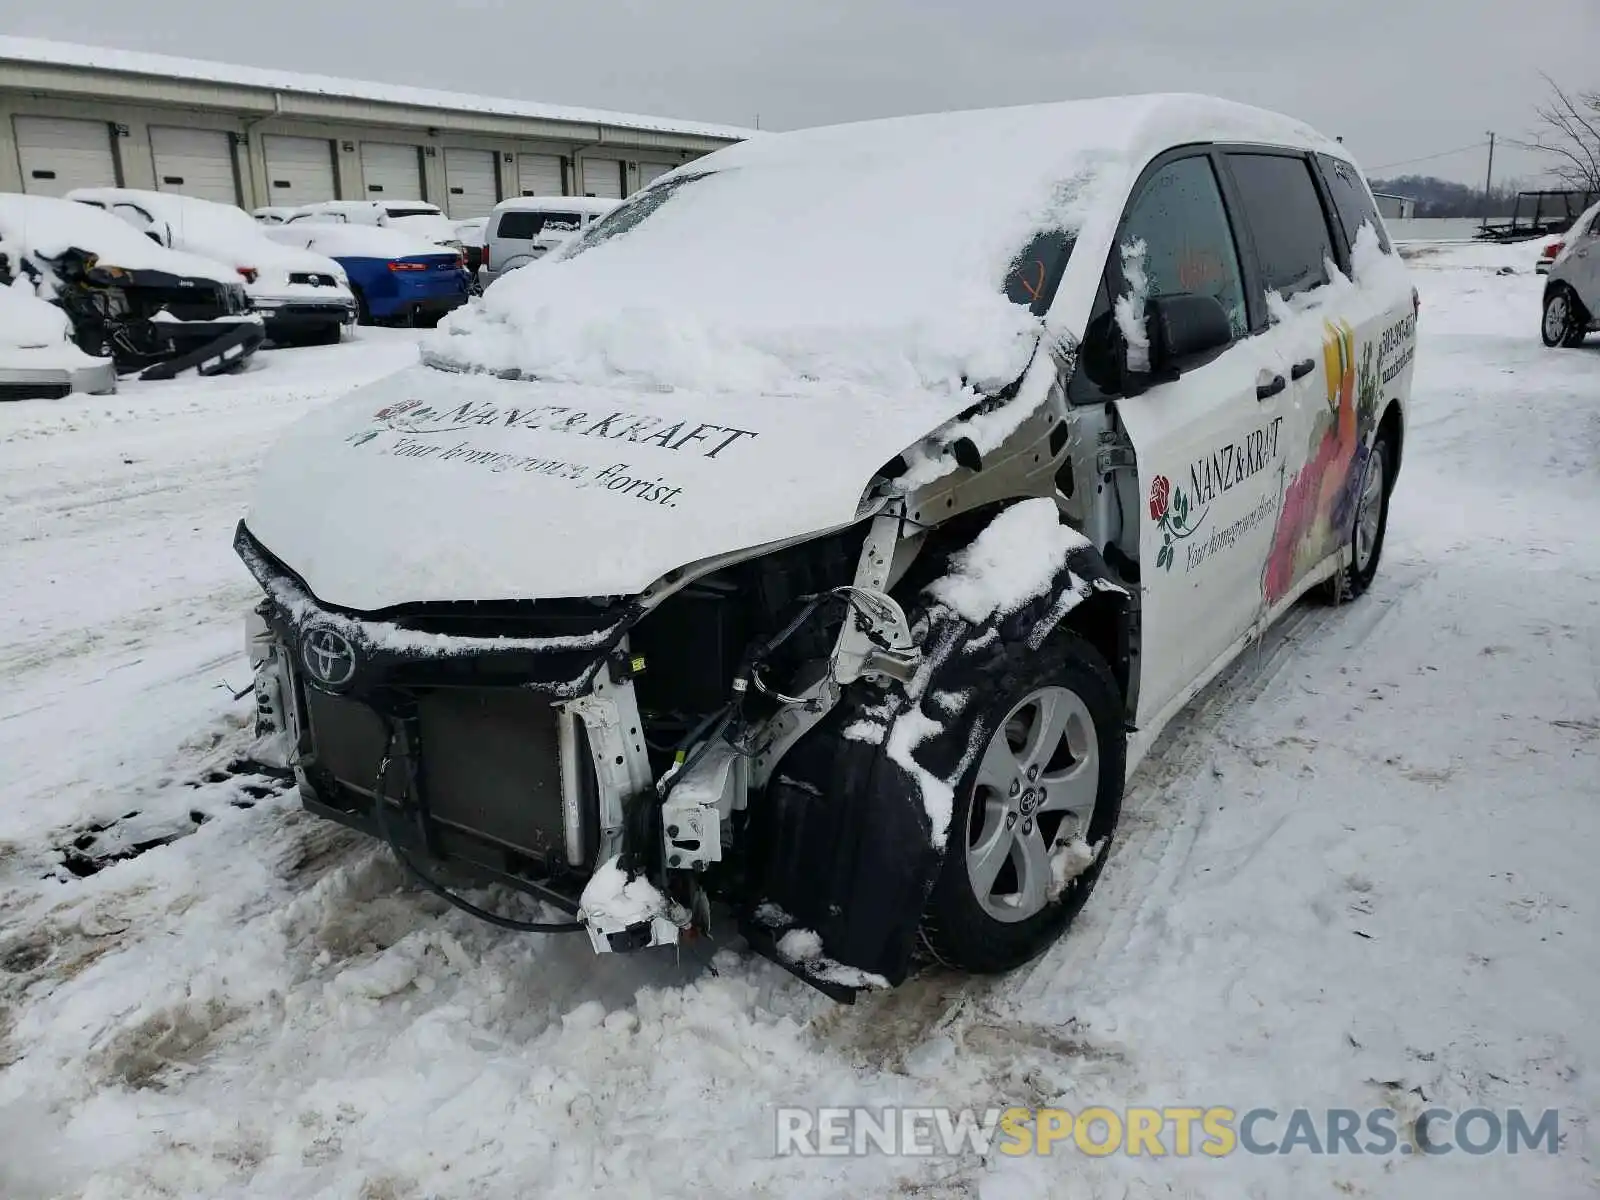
{"x": 1302, "y": 368}
{"x": 1265, "y": 391}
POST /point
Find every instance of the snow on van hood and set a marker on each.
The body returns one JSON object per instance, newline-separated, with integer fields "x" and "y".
{"x": 49, "y": 227}
{"x": 872, "y": 254}
{"x": 432, "y": 485}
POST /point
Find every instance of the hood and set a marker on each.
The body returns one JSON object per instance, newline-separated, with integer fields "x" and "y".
{"x": 438, "y": 486}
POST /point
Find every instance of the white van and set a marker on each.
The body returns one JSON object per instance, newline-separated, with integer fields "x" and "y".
{"x": 525, "y": 228}
{"x": 830, "y": 529}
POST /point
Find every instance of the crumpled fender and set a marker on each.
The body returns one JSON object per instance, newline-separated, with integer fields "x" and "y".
{"x": 846, "y": 842}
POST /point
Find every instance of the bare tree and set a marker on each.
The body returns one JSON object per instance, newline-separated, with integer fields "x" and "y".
{"x": 1570, "y": 136}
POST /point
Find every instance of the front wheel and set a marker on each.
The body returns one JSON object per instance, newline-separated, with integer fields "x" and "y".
{"x": 1563, "y": 324}
{"x": 1034, "y": 814}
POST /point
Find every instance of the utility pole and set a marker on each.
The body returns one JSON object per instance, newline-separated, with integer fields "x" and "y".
{"x": 1488, "y": 179}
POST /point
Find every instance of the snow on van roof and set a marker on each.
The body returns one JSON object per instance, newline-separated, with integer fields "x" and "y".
{"x": 164, "y": 66}
{"x": 49, "y": 226}
{"x": 871, "y": 255}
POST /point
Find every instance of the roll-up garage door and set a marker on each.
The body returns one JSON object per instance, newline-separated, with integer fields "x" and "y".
{"x": 195, "y": 162}
{"x": 391, "y": 172}
{"x": 58, "y": 155}
{"x": 649, "y": 172}
{"x": 469, "y": 183}
{"x": 299, "y": 169}
{"x": 602, "y": 177}
{"x": 539, "y": 175}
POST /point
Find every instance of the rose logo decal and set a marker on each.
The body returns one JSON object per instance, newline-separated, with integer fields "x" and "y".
{"x": 1160, "y": 494}
{"x": 1169, "y": 509}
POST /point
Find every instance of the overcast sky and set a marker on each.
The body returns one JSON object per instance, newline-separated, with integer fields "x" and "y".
{"x": 1398, "y": 79}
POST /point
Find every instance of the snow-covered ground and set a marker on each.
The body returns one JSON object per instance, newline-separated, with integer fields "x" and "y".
{"x": 1360, "y": 872}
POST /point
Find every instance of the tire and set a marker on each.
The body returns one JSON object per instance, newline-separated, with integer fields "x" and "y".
{"x": 1564, "y": 322}
{"x": 1005, "y": 833}
{"x": 329, "y": 336}
{"x": 363, "y": 313}
{"x": 1369, "y": 524}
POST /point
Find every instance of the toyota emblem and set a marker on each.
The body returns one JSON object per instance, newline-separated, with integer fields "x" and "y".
{"x": 328, "y": 656}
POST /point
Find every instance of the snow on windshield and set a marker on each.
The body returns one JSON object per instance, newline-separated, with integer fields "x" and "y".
{"x": 874, "y": 255}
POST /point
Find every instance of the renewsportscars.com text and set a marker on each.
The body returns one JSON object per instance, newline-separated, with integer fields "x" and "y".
{"x": 1214, "y": 1132}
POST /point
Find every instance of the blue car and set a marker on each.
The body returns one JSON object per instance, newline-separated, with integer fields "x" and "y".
{"x": 396, "y": 276}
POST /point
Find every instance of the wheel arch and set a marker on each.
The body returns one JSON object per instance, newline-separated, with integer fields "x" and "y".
{"x": 843, "y": 842}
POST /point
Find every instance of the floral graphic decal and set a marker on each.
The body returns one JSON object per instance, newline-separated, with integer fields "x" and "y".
{"x": 1169, "y": 509}
{"x": 386, "y": 414}
{"x": 1320, "y": 500}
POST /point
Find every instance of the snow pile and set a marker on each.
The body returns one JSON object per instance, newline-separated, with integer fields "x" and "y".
{"x": 1015, "y": 559}
{"x": 28, "y": 323}
{"x": 48, "y": 227}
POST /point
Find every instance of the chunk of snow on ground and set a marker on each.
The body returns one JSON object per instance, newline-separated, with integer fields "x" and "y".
{"x": 1016, "y": 558}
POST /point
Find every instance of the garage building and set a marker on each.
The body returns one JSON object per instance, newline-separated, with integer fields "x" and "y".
{"x": 83, "y": 116}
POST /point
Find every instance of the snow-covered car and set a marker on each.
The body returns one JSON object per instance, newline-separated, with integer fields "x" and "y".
{"x": 394, "y": 274}
{"x": 302, "y": 297}
{"x": 829, "y": 543}
{"x": 415, "y": 217}
{"x": 526, "y": 228}
{"x": 150, "y": 308}
{"x": 1572, "y": 285}
{"x": 38, "y": 359}
{"x": 274, "y": 214}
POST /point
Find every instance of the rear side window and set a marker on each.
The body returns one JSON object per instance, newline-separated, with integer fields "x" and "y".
{"x": 525, "y": 226}
{"x": 1285, "y": 213}
{"x": 1352, "y": 199}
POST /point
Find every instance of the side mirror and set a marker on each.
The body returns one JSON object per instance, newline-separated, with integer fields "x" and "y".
{"x": 1183, "y": 328}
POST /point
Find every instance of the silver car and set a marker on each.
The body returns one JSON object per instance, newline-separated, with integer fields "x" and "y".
{"x": 526, "y": 228}
{"x": 1572, "y": 289}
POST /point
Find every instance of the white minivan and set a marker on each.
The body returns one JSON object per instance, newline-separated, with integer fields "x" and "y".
{"x": 827, "y": 532}
{"x": 526, "y": 228}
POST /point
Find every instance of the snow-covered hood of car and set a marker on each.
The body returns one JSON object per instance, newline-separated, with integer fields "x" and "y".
{"x": 435, "y": 486}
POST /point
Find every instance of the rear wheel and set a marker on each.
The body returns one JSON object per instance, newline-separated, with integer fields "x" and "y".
{"x": 1564, "y": 322}
{"x": 1034, "y": 814}
{"x": 1369, "y": 525}
{"x": 363, "y": 313}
